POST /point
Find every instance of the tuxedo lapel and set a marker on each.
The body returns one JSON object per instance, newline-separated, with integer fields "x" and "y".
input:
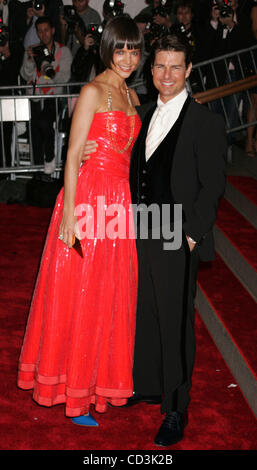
{"x": 165, "y": 143}
{"x": 184, "y": 135}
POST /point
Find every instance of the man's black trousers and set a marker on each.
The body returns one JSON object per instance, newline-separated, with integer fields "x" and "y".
{"x": 42, "y": 130}
{"x": 165, "y": 340}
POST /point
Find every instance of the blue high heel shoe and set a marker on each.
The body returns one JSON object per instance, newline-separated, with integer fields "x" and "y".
{"x": 85, "y": 420}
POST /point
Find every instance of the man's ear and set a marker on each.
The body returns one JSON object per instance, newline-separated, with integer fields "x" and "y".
{"x": 188, "y": 70}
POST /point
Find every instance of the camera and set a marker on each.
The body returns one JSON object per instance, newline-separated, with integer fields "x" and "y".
{"x": 96, "y": 31}
{"x": 224, "y": 7}
{"x": 71, "y": 16}
{"x": 154, "y": 30}
{"x": 44, "y": 59}
{"x": 180, "y": 29}
{"x": 37, "y": 5}
{"x": 163, "y": 9}
{"x": 4, "y": 35}
{"x": 112, "y": 8}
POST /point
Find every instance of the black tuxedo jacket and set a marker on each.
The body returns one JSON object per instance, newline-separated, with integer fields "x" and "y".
{"x": 197, "y": 176}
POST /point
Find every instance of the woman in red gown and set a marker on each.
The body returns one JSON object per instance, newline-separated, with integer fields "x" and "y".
{"x": 79, "y": 340}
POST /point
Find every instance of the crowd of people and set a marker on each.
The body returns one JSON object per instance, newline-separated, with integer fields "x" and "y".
{"x": 70, "y": 37}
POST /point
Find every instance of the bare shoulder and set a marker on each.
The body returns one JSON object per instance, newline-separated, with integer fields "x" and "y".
{"x": 90, "y": 92}
{"x": 90, "y": 98}
{"x": 134, "y": 97}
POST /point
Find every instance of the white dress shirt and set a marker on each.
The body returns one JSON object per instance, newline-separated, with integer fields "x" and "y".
{"x": 162, "y": 121}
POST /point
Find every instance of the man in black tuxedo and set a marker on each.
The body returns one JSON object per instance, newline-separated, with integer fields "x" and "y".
{"x": 178, "y": 158}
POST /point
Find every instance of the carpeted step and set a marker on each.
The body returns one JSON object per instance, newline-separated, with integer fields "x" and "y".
{"x": 236, "y": 241}
{"x": 241, "y": 192}
{"x": 246, "y": 185}
{"x": 229, "y": 313}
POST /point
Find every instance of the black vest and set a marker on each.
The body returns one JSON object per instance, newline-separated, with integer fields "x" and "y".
{"x": 154, "y": 175}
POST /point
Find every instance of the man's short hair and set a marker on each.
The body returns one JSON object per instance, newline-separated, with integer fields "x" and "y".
{"x": 44, "y": 19}
{"x": 183, "y": 4}
{"x": 172, "y": 42}
{"x": 119, "y": 31}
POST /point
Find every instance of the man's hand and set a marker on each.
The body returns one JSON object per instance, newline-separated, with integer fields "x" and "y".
{"x": 30, "y": 53}
{"x": 90, "y": 147}
{"x": 40, "y": 12}
{"x": 161, "y": 20}
{"x": 63, "y": 22}
{"x": 228, "y": 21}
{"x": 190, "y": 243}
{"x": 30, "y": 14}
{"x": 5, "y": 50}
{"x": 215, "y": 13}
{"x": 88, "y": 41}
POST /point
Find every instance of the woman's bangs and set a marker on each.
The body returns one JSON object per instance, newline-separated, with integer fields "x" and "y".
{"x": 132, "y": 42}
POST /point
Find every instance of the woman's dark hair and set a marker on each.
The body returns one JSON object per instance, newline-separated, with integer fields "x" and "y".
{"x": 172, "y": 42}
{"x": 119, "y": 31}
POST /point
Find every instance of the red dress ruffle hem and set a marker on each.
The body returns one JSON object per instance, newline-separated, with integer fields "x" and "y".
{"x": 79, "y": 340}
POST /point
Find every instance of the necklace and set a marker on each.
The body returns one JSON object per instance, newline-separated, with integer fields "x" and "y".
{"x": 110, "y": 121}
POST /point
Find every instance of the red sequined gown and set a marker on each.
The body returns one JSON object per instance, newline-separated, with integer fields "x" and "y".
{"x": 79, "y": 340}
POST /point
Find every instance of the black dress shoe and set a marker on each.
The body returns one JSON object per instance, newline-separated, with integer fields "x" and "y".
{"x": 139, "y": 398}
{"x": 172, "y": 429}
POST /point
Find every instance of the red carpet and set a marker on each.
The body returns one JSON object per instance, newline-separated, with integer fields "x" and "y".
{"x": 246, "y": 185}
{"x": 219, "y": 417}
{"x": 239, "y": 231}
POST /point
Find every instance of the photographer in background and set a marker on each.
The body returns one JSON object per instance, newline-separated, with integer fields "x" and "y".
{"x": 186, "y": 25}
{"x": 185, "y": 18}
{"x": 153, "y": 11}
{"x": 223, "y": 36}
{"x": 33, "y": 13}
{"x": 143, "y": 72}
{"x": 87, "y": 63}
{"x": 20, "y": 21}
{"x": 11, "y": 55}
{"x": 75, "y": 22}
{"x": 45, "y": 65}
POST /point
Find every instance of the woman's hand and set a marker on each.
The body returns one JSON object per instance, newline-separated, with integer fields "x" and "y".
{"x": 67, "y": 228}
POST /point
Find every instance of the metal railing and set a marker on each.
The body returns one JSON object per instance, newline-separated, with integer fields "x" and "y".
{"x": 223, "y": 84}
{"x": 17, "y": 110}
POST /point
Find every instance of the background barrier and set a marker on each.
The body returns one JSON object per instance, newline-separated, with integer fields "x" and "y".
{"x": 225, "y": 84}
